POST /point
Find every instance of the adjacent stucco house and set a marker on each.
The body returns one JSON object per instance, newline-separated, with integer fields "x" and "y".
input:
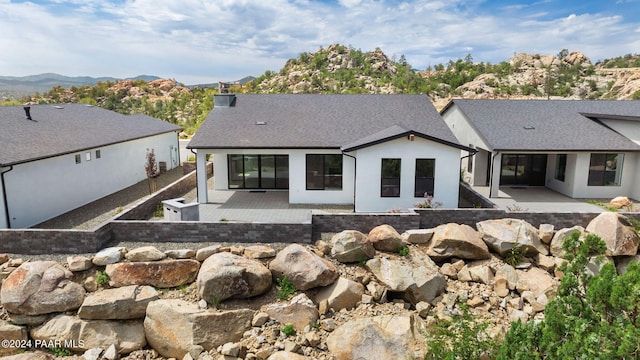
{"x": 376, "y": 152}
{"x": 580, "y": 148}
{"x": 57, "y": 158}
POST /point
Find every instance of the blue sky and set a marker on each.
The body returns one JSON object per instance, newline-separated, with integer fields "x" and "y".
{"x": 204, "y": 41}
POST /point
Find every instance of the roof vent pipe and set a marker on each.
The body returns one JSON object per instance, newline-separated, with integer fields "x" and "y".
{"x": 27, "y": 111}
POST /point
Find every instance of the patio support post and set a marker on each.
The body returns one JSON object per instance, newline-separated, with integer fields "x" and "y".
{"x": 494, "y": 180}
{"x": 201, "y": 173}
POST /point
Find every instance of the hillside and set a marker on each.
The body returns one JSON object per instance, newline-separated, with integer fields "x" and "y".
{"x": 338, "y": 69}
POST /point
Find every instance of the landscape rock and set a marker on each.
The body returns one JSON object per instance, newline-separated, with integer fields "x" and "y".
{"x": 163, "y": 274}
{"x": 40, "y": 287}
{"x": 303, "y": 267}
{"x": 129, "y": 302}
{"x": 342, "y": 294}
{"x": 38, "y": 355}
{"x": 259, "y": 252}
{"x": 181, "y": 254}
{"x": 623, "y": 263}
{"x": 79, "y": 263}
{"x": 380, "y": 337}
{"x": 559, "y": 238}
{"x": 351, "y": 246}
{"x": 110, "y": 255}
{"x": 417, "y": 236}
{"x": 174, "y": 327}
{"x": 537, "y": 281}
{"x": 145, "y": 253}
{"x": 617, "y": 232}
{"x": 82, "y": 335}
{"x": 225, "y": 275}
{"x": 545, "y": 233}
{"x": 11, "y": 332}
{"x": 620, "y": 202}
{"x": 300, "y": 312}
{"x": 286, "y": 355}
{"x": 386, "y": 238}
{"x": 459, "y": 241}
{"x": 204, "y": 253}
{"x": 416, "y": 283}
{"x": 502, "y": 235}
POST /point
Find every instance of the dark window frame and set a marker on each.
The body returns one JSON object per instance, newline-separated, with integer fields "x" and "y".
{"x": 604, "y": 169}
{"x": 279, "y": 182}
{"x": 390, "y": 177}
{"x": 424, "y": 184}
{"x": 328, "y": 173}
{"x": 78, "y": 159}
{"x": 561, "y": 167}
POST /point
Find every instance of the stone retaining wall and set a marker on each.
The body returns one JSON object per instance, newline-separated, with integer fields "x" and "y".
{"x": 54, "y": 241}
{"x": 333, "y": 223}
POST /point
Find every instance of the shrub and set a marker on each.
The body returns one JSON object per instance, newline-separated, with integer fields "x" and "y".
{"x": 593, "y": 317}
{"x": 102, "y": 278}
{"x": 428, "y": 203}
{"x": 286, "y": 288}
{"x": 288, "y": 330}
{"x": 403, "y": 251}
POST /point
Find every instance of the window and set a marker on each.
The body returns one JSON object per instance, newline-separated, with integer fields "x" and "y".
{"x": 561, "y": 166}
{"x": 390, "y": 178}
{"x": 258, "y": 171}
{"x": 605, "y": 169}
{"x": 78, "y": 159}
{"x": 98, "y": 155}
{"x": 324, "y": 171}
{"x": 425, "y": 170}
{"x": 87, "y": 156}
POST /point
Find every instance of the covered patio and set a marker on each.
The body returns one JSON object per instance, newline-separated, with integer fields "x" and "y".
{"x": 536, "y": 198}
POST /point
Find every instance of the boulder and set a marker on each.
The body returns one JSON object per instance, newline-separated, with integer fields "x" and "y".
{"x": 502, "y": 235}
{"x": 286, "y": 355}
{"x": 617, "y": 232}
{"x": 559, "y": 238}
{"x": 259, "y": 252}
{"x": 545, "y": 233}
{"x": 351, "y": 246}
{"x": 174, "y": 327}
{"x": 457, "y": 241}
{"x": 225, "y": 275}
{"x": 38, "y": 355}
{"x": 623, "y": 263}
{"x": 380, "y": 337}
{"x": 619, "y": 202}
{"x": 40, "y": 287}
{"x": 181, "y": 254}
{"x": 79, "y": 263}
{"x": 204, "y": 253}
{"x": 417, "y": 283}
{"x": 162, "y": 274}
{"x": 145, "y": 253}
{"x": 303, "y": 268}
{"x": 12, "y": 332}
{"x": 537, "y": 281}
{"x": 110, "y": 255}
{"x": 342, "y": 294}
{"x": 299, "y": 312}
{"x": 82, "y": 335}
{"x": 129, "y": 302}
{"x": 417, "y": 236}
{"x": 386, "y": 238}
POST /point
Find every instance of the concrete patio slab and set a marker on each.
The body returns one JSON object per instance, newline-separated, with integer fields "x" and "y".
{"x": 536, "y": 198}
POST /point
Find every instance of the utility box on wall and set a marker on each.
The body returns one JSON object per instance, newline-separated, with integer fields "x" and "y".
{"x": 177, "y": 210}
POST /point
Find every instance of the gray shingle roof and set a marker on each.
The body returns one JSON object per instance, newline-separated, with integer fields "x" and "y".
{"x": 319, "y": 121}
{"x": 62, "y": 129}
{"x": 548, "y": 125}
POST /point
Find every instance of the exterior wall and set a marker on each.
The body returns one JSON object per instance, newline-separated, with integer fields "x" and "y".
{"x": 627, "y": 184}
{"x": 298, "y": 194}
{"x": 565, "y": 187}
{"x": 40, "y": 190}
{"x": 631, "y": 130}
{"x": 368, "y": 182}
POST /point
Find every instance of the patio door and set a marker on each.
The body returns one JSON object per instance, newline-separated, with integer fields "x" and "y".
{"x": 523, "y": 169}
{"x": 258, "y": 171}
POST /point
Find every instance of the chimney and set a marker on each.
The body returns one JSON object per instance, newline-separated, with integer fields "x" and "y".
{"x": 27, "y": 111}
{"x": 224, "y": 100}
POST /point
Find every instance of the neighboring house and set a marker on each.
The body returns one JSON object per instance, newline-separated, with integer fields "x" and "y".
{"x": 376, "y": 152}
{"x": 580, "y": 148}
{"x": 57, "y": 158}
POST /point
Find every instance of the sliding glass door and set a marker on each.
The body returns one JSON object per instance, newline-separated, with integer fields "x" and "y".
{"x": 258, "y": 171}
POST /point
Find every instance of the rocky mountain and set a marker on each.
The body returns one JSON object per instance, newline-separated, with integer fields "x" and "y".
{"x": 18, "y": 86}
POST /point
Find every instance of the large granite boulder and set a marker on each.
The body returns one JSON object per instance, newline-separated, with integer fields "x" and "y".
{"x": 351, "y": 246}
{"x": 386, "y": 238}
{"x": 145, "y": 253}
{"x": 303, "y": 268}
{"x": 40, "y": 287}
{"x": 342, "y": 294}
{"x": 175, "y": 327}
{"x": 502, "y": 235}
{"x": 557, "y": 242}
{"x": 225, "y": 275}
{"x": 128, "y": 302}
{"x": 300, "y": 312}
{"x": 457, "y": 241}
{"x": 12, "y": 333}
{"x": 162, "y": 274}
{"x": 617, "y": 232}
{"x": 82, "y": 335}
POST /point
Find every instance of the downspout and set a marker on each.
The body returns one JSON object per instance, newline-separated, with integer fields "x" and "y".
{"x": 493, "y": 160}
{"x": 5, "y": 201}
{"x": 355, "y": 168}
{"x": 471, "y": 153}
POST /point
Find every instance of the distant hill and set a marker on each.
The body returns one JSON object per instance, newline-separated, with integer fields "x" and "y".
{"x": 18, "y": 86}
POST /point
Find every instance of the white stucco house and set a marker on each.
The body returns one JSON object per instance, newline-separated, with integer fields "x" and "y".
{"x": 375, "y": 152}
{"x": 57, "y": 158}
{"x": 579, "y": 148}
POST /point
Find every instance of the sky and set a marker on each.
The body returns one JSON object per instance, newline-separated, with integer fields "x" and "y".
{"x": 206, "y": 41}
